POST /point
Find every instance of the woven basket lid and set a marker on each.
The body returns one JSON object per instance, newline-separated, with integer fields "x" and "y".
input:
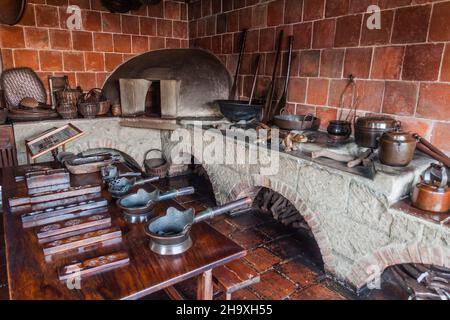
{"x": 11, "y": 11}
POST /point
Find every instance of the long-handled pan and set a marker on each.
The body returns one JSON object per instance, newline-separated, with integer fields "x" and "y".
{"x": 233, "y": 89}
{"x": 170, "y": 234}
{"x": 271, "y": 91}
{"x": 283, "y": 100}
{"x": 138, "y": 207}
{"x": 120, "y": 187}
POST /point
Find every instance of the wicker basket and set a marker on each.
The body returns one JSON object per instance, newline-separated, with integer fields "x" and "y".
{"x": 156, "y": 166}
{"x": 67, "y": 110}
{"x": 88, "y": 109}
{"x": 68, "y": 96}
{"x": 104, "y": 107}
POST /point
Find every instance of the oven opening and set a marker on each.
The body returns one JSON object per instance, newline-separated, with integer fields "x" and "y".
{"x": 153, "y": 100}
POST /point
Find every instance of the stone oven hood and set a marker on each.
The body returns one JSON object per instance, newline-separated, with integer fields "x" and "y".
{"x": 203, "y": 78}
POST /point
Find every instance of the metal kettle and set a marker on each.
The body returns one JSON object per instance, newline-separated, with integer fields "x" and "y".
{"x": 432, "y": 193}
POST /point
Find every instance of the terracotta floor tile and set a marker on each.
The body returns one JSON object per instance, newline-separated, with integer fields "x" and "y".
{"x": 285, "y": 248}
{"x": 299, "y": 273}
{"x": 275, "y": 230}
{"x": 262, "y": 259}
{"x": 246, "y": 220}
{"x": 249, "y": 238}
{"x": 223, "y": 226}
{"x": 273, "y": 286}
{"x": 316, "y": 292}
{"x": 243, "y": 294}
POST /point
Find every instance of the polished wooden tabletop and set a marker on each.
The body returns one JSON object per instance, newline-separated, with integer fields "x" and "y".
{"x": 30, "y": 276}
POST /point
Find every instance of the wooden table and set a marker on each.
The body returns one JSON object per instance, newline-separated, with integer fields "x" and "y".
{"x": 31, "y": 277}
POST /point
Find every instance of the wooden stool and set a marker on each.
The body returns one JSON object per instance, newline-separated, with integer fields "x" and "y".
{"x": 234, "y": 276}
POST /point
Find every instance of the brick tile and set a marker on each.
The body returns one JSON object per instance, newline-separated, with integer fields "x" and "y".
{"x": 148, "y": 26}
{"x": 139, "y": 44}
{"x": 336, "y": 8}
{"x": 101, "y": 78}
{"x": 267, "y": 40}
{"x": 7, "y": 58}
{"x": 440, "y": 136}
{"x": 332, "y": 62}
{"x": 325, "y": 115}
{"x": 262, "y": 259}
{"x": 434, "y": 101}
{"x": 112, "y": 60}
{"x": 233, "y": 21}
{"x": 300, "y": 109}
{"x": 273, "y": 286}
{"x": 60, "y": 39}
{"x": 440, "y": 26}
{"x": 445, "y": 70}
{"x": 386, "y": 4}
{"x": 245, "y": 18}
{"x": 370, "y": 95}
{"x": 122, "y": 43}
{"x": 357, "y": 6}
{"x": 357, "y": 62}
{"x": 252, "y": 43}
{"x": 216, "y": 6}
{"x": 378, "y": 36}
{"x": 173, "y": 43}
{"x": 83, "y": 4}
{"x": 293, "y": 11}
{"x": 156, "y": 10}
{"x": 221, "y": 25}
{"x": 172, "y": 10}
{"x": 317, "y": 91}
{"x": 92, "y": 21}
{"x": 28, "y": 18}
{"x": 387, "y": 63}
{"x": 50, "y": 60}
{"x": 324, "y": 33}
{"x": 422, "y": 62}
{"x": 313, "y": 9}
{"x": 26, "y": 58}
{"x": 411, "y": 24}
{"x": 259, "y": 16}
{"x": 302, "y": 35}
{"x": 94, "y": 61}
{"x": 285, "y": 248}
{"x": 11, "y": 37}
{"x": 37, "y": 38}
{"x": 249, "y": 238}
{"x": 297, "y": 90}
{"x": 223, "y": 226}
{"x": 82, "y": 41}
{"x": 86, "y": 80}
{"x": 400, "y": 98}
{"x": 422, "y": 127}
{"x": 298, "y": 272}
{"x": 103, "y": 42}
{"x": 244, "y": 294}
{"x": 336, "y": 89}
{"x": 164, "y": 28}
{"x": 348, "y": 30}
{"x": 111, "y": 22}
{"x": 47, "y": 16}
{"x": 309, "y": 63}
{"x": 275, "y": 13}
{"x": 130, "y": 24}
{"x": 317, "y": 292}
{"x": 73, "y": 61}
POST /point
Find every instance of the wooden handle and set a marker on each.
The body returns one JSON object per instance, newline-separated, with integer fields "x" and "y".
{"x": 360, "y": 159}
{"x": 332, "y": 155}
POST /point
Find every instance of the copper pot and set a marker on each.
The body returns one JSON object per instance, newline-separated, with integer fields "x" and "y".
{"x": 432, "y": 193}
{"x": 397, "y": 148}
{"x": 368, "y": 130}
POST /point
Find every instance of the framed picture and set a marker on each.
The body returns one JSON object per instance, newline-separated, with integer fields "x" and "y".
{"x": 56, "y": 83}
{"x": 51, "y": 140}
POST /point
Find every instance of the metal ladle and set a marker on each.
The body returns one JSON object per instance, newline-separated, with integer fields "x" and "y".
{"x": 138, "y": 207}
{"x": 120, "y": 187}
{"x": 170, "y": 234}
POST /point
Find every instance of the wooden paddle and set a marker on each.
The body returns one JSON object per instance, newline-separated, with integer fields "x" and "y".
{"x": 232, "y": 95}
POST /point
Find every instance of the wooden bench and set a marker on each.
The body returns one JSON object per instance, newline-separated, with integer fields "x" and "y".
{"x": 234, "y": 276}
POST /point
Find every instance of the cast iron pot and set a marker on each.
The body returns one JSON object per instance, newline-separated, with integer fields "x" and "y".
{"x": 397, "y": 148}
{"x": 235, "y": 110}
{"x": 368, "y": 130}
{"x": 339, "y": 129}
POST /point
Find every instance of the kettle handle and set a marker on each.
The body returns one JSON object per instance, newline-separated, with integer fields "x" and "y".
{"x": 428, "y": 177}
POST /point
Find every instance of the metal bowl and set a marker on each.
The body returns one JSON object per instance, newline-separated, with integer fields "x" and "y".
{"x": 297, "y": 122}
{"x": 237, "y": 110}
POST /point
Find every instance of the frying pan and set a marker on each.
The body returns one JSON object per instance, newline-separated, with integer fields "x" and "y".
{"x": 170, "y": 234}
{"x": 120, "y": 187}
{"x": 138, "y": 207}
{"x": 11, "y": 11}
{"x": 297, "y": 122}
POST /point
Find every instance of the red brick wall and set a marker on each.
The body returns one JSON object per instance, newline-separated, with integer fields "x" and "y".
{"x": 402, "y": 70}
{"x": 42, "y": 41}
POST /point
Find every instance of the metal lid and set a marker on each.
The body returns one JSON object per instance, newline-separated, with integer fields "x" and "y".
{"x": 398, "y": 136}
{"x": 377, "y": 122}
